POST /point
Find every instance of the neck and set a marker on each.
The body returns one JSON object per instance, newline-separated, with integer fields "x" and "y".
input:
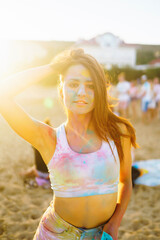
{"x": 79, "y": 124}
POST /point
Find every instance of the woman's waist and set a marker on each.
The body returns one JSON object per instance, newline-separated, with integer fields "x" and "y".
{"x": 86, "y": 212}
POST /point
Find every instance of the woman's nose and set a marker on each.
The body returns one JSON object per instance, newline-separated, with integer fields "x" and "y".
{"x": 81, "y": 90}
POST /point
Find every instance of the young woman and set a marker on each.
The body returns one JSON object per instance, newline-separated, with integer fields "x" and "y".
{"x": 88, "y": 156}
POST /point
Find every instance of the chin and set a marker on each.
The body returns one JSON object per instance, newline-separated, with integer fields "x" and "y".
{"x": 82, "y": 111}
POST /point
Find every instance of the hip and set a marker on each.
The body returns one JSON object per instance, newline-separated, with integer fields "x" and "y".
{"x": 53, "y": 227}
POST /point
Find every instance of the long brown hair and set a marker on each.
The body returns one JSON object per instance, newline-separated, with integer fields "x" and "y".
{"x": 107, "y": 124}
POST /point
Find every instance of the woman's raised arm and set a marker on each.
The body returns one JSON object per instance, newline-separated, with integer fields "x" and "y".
{"x": 21, "y": 122}
{"x": 17, "y": 83}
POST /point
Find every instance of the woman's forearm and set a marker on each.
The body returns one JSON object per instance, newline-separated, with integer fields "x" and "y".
{"x": 17, "y": 83}
{"x": 112, "y": 226}
{"x": 124, "y": 194}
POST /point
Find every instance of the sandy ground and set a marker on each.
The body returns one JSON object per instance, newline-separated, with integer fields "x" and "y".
{"x": 21, "y": 207}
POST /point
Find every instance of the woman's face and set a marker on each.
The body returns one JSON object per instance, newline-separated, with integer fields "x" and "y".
{"x": 78, "y": 90}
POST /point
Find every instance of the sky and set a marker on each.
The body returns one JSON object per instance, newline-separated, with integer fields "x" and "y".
{"x": 134, "y": 21}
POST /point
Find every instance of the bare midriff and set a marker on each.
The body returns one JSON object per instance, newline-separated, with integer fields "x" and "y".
{"x": 86, "y": 212}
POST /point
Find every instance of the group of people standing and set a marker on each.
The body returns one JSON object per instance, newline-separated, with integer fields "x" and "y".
{"x": 131, "y": 95}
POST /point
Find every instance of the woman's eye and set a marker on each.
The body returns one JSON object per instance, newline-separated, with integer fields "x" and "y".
{"x": 73, "y": 85}
{"x": 91, "y": 86}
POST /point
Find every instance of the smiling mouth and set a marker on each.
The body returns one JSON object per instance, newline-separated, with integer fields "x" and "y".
{"x": 80, "y": 102}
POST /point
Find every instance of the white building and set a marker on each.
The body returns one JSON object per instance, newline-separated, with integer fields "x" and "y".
{"x": 109, "y": 50}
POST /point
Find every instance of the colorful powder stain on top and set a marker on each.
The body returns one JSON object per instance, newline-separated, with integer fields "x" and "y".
{"x": 75, "y": 174}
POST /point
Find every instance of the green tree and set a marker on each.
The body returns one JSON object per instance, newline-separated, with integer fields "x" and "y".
{"x": 144, "y": 56}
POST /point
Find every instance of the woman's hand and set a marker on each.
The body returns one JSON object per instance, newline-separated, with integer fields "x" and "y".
{"x": 111, "y": 229}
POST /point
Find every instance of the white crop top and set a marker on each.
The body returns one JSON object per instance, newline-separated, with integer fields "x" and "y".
{"x": 75, "y": 174}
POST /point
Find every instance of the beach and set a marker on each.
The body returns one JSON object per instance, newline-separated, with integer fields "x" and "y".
{"x": 22, "y": 207}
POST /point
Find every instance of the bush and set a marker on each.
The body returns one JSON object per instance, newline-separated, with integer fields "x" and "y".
{"x": 131, "y": 73}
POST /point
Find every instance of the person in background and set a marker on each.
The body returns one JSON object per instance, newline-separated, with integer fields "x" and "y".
{"x": 156, "y": 89}
{"x": 133, "y": 93}
{"x": 152, "y": 103}
{"x": 145, "y": 98}
{"x": 123, "y": 87}
{"x": 39, "y": 171}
